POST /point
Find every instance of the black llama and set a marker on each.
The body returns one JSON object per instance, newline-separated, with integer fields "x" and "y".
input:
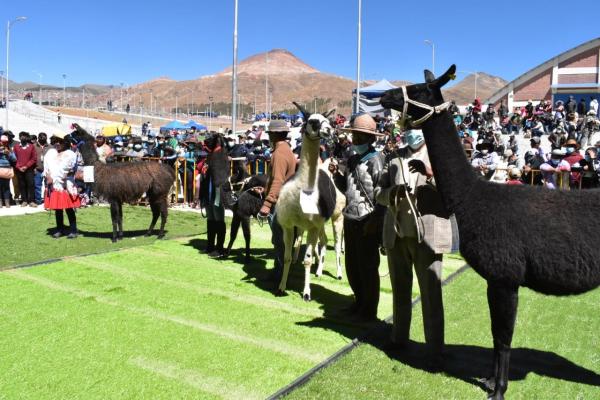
{"x": 245, "y": 205}
{"x": 126, "y": 182}
{"x": 486, "y": 211}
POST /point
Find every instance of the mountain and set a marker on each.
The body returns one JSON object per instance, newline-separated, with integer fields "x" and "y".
{"x": 274, "y": 62}
{"x": 464, "y": 91}
{"x": 289, "y": 79}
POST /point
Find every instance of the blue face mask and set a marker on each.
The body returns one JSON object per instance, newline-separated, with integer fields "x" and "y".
{"x": 570, "y": 150}
{"x": 414, "y": 139}
{"x": 360, "y": 148}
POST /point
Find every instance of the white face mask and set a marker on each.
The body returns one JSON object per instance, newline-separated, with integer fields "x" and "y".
{"x": 484, "y": 151}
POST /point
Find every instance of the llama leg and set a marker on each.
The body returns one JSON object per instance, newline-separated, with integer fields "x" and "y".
{"x": 246, "y": 231}
{"x": 311, "y": 243}
{"x": 338, "y": 227}
{"x": 503, "y": 303}
{"x": 164, "y": 213}
{"x": 320, "y": 250}
{"x": 155, "y": 207}
{"x": 288, "y": 240}
{"x": 114, "y": 216}
{"x": 297, "y": 245}
{"x": 120, "y": 222}
{"x": 235, "y": 226}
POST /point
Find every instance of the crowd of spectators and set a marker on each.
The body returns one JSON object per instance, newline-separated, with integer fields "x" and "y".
{"x": 559, "y": 150}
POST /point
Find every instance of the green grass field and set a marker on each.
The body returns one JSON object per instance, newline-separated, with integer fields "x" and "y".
{"x": 158, "y": 319}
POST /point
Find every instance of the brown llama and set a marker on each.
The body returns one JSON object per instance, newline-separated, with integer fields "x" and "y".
{"x": 126, "y": 182}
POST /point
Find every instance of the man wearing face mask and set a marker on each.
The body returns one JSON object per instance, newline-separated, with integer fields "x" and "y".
{"x": 363, "y": 217}
{"x": 554, "y": 168}
{"x": 41, "y": 147}
{"x": 416, "y": 233}
{"x": 137, "y": 150}
{"x": 24, "y": 169}
{"x": 485, "y": 159}
{"x": 573, "y": 157}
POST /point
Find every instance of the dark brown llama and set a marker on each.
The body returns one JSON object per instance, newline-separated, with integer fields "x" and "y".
{"x": 126, "y": 182}
{"x": 486, "y": 211}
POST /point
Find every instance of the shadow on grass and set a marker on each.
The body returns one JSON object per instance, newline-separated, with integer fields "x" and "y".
{"x": 108, "y": 235}
{"x": 473, "y": 364}
{"x": 259, "y": 273}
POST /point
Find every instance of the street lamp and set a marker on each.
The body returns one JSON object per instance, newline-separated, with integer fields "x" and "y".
{"x": 8, "y": 25}
{"x": 40, "y": 98}
{"x": 210, "y": 100}
{"x": 121, "y": 100}
{"x": 429, "y": 42}
{"x": 1, "y": 83}
{"x": 64, "y": 90}
{"x": 358, "y": 45}
{"x": 476, "y": 77}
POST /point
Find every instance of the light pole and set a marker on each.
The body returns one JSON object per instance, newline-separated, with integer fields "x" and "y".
{"x": 8, "y": 25}
{"x": 476, "y": 77}
{"x": 64, "y": 90}
{"x": 83, "y": 98}
{"x": 234, "y": 76}
{"x": 121, "y": 100}
{"x": 429, "y": 42}
{"x": 210, "y": 100}
{"x": 356, "y": 105}
{"x": 40, "y": 97}
{"x": 176, "y": 106}
{"x": 1, "y": 84}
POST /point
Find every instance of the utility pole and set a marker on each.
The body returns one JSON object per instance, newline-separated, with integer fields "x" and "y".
{"x": 234, "y": 76}
{"x": 358, "y": 48}
{"x": 64, "y": 76}
{"x": 8, "y": 25}
{"x": 266, "y": 82}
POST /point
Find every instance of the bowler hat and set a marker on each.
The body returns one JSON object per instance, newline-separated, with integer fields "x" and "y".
{"x": 363, "y": 123}
{"x": 278, "y": 125}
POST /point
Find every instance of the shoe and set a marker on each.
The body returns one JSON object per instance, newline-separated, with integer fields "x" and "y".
{"x": 32, "y": 204}
{"x": 72, "y": 236}
{"x": 215, "y": 254}
{"x": 24, "y": 204}
{"x": 57, "y": 235}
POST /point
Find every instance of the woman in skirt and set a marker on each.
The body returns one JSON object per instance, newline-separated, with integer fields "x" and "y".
{"x": 60, "y": 165}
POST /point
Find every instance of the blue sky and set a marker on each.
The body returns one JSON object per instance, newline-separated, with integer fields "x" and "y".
{"x": 111, "y": 41}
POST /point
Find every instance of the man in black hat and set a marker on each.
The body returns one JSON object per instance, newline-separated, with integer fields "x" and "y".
{"x": 485, "y": 159}
{"x": 283, "y": 167}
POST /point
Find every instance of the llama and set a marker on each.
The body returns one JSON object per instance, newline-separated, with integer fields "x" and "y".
{"x": 485, "y": 212}
{"x": 337, "y": 223}
{"x": 244, "y": 206}
{"x": 126, "y": 182}
{"x": 307, "y": 200}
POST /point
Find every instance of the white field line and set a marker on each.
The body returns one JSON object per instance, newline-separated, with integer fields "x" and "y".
{"x": 341, "y": 287}
{"x": 246, "y": 298}
{"x": 268, "y": 344}
{"x": 209, "y": 384}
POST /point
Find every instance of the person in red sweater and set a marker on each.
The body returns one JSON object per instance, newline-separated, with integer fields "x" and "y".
{"x": 25, "y": 169}
{"x": 573, "y": 157}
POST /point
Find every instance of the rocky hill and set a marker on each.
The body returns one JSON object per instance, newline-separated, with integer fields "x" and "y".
{"x": 289, "y": 79}
{"x": 464, "y": 91}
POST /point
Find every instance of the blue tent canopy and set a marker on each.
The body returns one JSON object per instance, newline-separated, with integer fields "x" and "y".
{"x": 193, "y": 124}
{"x": 375, "y": 90}
{"x": 173, "y": 125}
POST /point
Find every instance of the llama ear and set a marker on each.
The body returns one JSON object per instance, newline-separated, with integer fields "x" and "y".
{"x": 450, "y": 74}
{"x": 429, "y": 77}
{"x": 305, "y": 113}
{"x": 329, "y": 113}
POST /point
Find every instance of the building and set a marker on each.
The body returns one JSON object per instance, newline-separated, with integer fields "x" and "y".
{"x": 575, "y": 72}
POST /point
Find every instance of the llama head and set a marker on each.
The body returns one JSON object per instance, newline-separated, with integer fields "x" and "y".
{"x": 405, "y": 99}
{"x": 316, "y": 126}
{"x": 86, "y": 144}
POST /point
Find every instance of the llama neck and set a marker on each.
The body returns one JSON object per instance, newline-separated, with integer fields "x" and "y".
{"x": 453, "y": 173}
{"x": 88, "y": 153}
{"x": 309, "y": 163}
